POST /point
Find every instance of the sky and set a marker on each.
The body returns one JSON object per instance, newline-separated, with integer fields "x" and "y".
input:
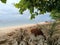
{"x": 8, "y": 8}
{"x": 10, "y": 14}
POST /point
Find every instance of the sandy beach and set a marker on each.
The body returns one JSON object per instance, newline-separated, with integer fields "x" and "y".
{"x": 9, "y": 29}
{"x": 12, "y": 28}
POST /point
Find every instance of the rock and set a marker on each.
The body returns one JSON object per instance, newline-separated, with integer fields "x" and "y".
{"x": 29, "y": 35}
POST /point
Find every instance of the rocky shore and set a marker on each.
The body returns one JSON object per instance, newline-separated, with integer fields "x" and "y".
{"x": 23, "y": 35}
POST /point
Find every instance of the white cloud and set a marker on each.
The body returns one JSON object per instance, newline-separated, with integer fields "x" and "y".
{"x": 12, "y": 1}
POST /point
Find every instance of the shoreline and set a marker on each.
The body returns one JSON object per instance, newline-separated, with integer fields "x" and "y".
{"x": 24, "y": 25}
{"x": 13, "y": 28}
{"x": 11, "y": 35}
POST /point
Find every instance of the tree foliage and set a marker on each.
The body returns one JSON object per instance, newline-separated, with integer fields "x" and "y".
{"x": 43, "y": 6}
{"x": 3, "y": 1}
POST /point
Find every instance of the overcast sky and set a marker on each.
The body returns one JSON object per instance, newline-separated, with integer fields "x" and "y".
{"x": 12, "y": 1}
{"x": 9, "y": 9}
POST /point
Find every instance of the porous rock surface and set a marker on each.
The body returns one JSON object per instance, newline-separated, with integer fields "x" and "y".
{"x": 21, "y": 36}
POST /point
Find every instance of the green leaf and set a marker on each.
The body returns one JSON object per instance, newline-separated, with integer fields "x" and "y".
{"x": 16, "y": 5}
{"x": 21, "y": 11}
{"x": 36, "y": 13}
{"x": 32, "y": 16}
{"x": 3, "y": 1}
{"x": 42, "y": 5}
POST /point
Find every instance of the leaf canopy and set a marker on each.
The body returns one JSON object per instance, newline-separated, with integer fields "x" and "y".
{"x": 3, "y": 1}
{"x": 43, "y": 6}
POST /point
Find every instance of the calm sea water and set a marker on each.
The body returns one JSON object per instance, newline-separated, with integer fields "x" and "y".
{"x": 9, "y": 16}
